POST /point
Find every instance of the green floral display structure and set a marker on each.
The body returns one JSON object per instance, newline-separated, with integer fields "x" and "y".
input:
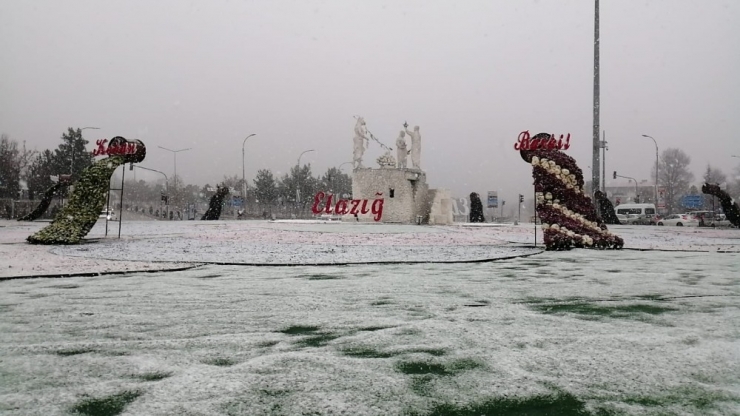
{"x": 44, "y": 203}
{"x": 81, "y": 213}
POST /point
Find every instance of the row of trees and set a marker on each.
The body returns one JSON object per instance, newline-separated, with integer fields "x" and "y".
{"x": 677, "y": 179}
{"x": 18, "y": 164}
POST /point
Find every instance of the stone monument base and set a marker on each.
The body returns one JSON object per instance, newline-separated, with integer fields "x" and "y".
{"x": 404, "y": 192}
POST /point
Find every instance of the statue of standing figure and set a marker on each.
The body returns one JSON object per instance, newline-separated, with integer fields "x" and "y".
{"x": 415, "y": 146}
{"x": 401, "y": 150}
{"x": 359, "y": 146}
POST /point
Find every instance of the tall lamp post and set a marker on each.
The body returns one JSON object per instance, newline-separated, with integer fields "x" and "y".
{"x": 298, "y": 177}
{"x": 166, "y": 187}
{"x": 244, "y": 178}
{"x": 656, "y": 168}
{"x": 174, "y": 152}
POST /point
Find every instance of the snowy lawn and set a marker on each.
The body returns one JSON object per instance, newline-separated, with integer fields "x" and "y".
{"x": 580, "y": 332}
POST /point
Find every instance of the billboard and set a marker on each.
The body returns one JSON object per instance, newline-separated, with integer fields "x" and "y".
{"x": 661, "y": 198}
{"x": 492, "y": 199}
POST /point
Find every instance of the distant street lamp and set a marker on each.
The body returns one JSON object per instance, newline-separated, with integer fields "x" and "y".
{"x": 174, "y": 152}
{"x": 244, "y": 180}
{"x": 298, "y": 177}
{"x": 349, "y": 163}
{"x": 637, "y": 193}
{"x": 166, "y": 187}
{"x": 656, "y": 168}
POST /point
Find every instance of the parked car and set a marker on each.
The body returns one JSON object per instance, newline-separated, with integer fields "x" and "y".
{"x": 643, "y": 213}
{"x": 680, "y": 220}
{"x": 630, "y": 219}
{"x": 109, "y": 215}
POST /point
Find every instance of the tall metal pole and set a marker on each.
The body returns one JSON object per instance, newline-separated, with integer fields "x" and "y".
{"x": 603, "y": 162}
{"x": 244, "y": 178}
{"x": 596, "y": 179}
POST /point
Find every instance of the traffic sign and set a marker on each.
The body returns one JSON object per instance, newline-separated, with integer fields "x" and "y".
{"x": 692, "y": 201}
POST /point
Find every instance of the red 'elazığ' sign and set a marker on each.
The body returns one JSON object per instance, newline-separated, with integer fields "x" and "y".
{"x": 113, "y": 150}
{"x": 524, "y": 142}
{"x": 347, "y": 206}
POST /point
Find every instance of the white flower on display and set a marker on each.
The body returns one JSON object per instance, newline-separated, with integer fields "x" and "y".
{"x": 545, "y": 226}
{"x": 548, "y": 196}
{"x": 566, "y": 171}
{"x": 535, "y": 160}
{"x": 555, "y": 227}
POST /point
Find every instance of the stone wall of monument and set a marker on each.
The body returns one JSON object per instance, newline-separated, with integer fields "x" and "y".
{"x": 404, "y": 193}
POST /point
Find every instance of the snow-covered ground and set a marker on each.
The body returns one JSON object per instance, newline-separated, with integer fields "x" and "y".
{"x": 600, "y": 332}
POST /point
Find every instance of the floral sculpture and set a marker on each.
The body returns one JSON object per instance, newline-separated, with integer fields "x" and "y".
{"x": 568, "y": 216}
{"x": 214, "y": 207}
{"x": 75, "y": 220}
{"x": 44, "y": 203}
{"x": 606, "y": 209}
{"x": 729, "y": 206}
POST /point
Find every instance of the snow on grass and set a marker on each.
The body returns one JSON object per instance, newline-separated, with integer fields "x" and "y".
{"x": 582, "y": 332}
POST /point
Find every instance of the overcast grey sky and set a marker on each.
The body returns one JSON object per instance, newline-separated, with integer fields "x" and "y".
{"x": 472, "y": 74}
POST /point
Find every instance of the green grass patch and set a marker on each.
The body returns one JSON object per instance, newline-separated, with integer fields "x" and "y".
{"x": 694, "y": 397}
{"x": 374, "y": 328}
{"x": 422, "y": 367}
{"x": 593, "y": 310}
{"x": 105, "y": 406}
{"x": 366, "y": 352}
{"x": 421, "y": 385}
{"x": 560, "y": 405}
{"x": 322, "y": 277}
{"x": 437, "y": 352}
{"x": 67, "y": 286}
{"x": 220, "y": 361}
{"x": 75, "y": 351}
{"x": 318, "y": 340}
{"x": 438, "y": 369}
{"x": 299, "y": 330}
{"x": 153, "y": 376}
{"x": 209, "y": 276}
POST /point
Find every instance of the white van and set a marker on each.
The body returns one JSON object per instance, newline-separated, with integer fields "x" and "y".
{"x": 645, "y": 212}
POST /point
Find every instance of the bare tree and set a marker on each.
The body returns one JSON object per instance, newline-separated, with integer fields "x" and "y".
{"x": 675, "y": 176}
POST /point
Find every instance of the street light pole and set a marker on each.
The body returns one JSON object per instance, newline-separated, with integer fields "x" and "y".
{"x": 244, "y": 178}
{"x": 298, "y": 177}
{"x": 627, "y": 177}
{"x": 166, "y": 188}
{"x": 656, "y": 168}
{"x": 175, "y": 152}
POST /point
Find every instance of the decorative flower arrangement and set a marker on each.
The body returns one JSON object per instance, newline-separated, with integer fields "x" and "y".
{"x": 386, "y": 160}
{"x": 567, "y": 213}
{"x": 75, "y": 219}
{"x": 214, "y": 206}
{"x": 729, "y": 206}
{"x": 44, "y": 204}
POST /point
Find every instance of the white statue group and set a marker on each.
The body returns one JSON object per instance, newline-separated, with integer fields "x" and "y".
{"x": 362, "y": 141}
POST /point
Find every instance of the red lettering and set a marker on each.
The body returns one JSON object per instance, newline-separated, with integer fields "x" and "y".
{"x": 341, "y": 207}
{"x": 328, "y": 204}
{"x": 377, "y": 209}
{"x": 130, "y": 148}
{"x": 364, "y": 208}
{"x": 355, "y": 205}
{"x": 523, "y": 141}
{"x": 101, "y": 150}
{"x": 316, "y": 201}
{"x": 566, "y": 146}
